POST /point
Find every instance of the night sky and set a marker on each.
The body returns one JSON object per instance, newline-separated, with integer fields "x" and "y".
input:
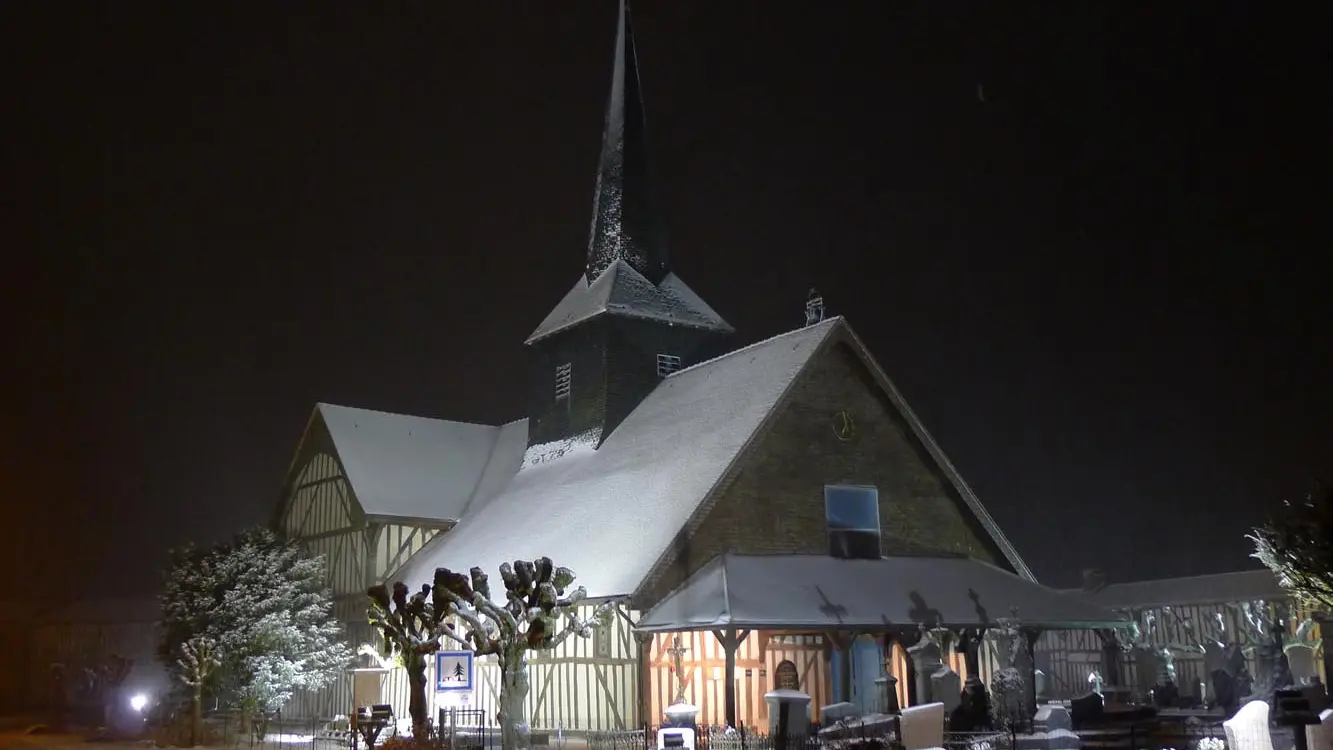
{"x": 1081, "y": 237}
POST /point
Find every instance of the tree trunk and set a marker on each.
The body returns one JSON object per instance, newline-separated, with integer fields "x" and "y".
{"x": 197, "y": 715}
{"x": 416, "y": 705}
{"x": 512, "y": 717}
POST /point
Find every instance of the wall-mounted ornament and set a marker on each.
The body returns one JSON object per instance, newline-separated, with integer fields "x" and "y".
{"x": 844, "y": 427}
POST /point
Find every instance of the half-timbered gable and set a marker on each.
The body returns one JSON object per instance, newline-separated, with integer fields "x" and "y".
{"x": 367, "y": 490}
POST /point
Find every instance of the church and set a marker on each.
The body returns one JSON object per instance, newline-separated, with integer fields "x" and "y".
{"x": 763, "y": 515}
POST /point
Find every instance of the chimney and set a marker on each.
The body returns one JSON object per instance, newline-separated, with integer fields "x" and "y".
{"x": 1094, "y": 579}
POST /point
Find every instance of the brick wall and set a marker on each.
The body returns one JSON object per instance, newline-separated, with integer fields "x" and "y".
{"x": 774, "y": 502}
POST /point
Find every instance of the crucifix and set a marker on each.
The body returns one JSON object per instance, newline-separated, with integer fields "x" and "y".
{"x": 677, "y": 652}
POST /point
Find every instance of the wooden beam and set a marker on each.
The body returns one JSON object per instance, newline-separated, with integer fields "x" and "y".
{"x": 730, "y": 640}
{"x": 969, "y": 644}
{"x": 842, "y": 643}
{"x": 1030, "y": 636}
{"x": 321, "y": 480}
{"x": 435, "y": 524}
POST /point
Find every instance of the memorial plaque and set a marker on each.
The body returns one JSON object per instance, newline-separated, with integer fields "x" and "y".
{"x": 786, "y": 676}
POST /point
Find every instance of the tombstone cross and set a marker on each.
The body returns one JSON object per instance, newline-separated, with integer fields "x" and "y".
{"x": 677, "y": 656}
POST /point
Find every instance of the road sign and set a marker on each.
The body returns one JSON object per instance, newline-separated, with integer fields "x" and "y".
{"x": 453, "y": 671}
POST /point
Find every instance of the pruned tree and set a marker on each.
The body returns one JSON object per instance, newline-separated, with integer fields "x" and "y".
{"x": 1297, "y": 545}
{"x": 262, "y": 602}
{"x": 458, "y": 608}
{"x": 196, "y": 665}
{"x": 1009, "y": 706}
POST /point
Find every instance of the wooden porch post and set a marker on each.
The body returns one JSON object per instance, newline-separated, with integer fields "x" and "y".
{"x": 842, "y": 642}
{"x": 1110, "y": 658}
{"x": 645, "y": 641}
{"x": 969, "y": 642}
{"x": 1030, "y": 636}
{"x": 907, "y": 641}
{"x": 1326, "y": 641}
{"x": 730, "y": 641}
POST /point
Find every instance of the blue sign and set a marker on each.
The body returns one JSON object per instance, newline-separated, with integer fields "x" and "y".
{"x": 453, "y": 671}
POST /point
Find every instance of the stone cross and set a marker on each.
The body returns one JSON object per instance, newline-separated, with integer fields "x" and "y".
{"x": 677, "y": 656}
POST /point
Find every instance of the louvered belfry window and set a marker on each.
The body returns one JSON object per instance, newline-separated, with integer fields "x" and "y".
{"x": 562, "y": 378}
{"x": 667, "y": 364}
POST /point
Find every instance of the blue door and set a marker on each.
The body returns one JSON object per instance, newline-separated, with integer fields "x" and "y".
{"x": 866, "y": 658}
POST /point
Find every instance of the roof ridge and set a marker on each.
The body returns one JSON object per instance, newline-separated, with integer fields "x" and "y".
{"x": 411, "y": 416}
{"x": 826, "y": 322}
{"x": 1187, "y": 578}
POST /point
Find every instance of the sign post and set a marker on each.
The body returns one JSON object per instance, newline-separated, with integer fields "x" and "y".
{"x": 453, "y": 671}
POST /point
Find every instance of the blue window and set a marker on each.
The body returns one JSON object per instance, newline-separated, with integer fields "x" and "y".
{"x": 852, "y": 513}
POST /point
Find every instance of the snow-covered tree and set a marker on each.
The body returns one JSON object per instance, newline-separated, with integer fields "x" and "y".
{"x": 1297, "y": 545}
{"x": 195, "y": 668}
{"x": 262, "y": 604}
{"x": 459, "y": 609}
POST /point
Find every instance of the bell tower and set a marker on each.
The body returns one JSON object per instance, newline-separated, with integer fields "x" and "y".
{"x": 629, "y": 321}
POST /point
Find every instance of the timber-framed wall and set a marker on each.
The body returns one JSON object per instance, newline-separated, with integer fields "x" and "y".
{"x": 320, "y": 510}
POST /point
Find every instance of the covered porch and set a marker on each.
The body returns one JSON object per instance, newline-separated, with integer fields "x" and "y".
{"x": 744, "y": 625}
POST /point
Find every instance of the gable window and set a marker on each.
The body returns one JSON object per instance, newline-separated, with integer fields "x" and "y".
{"x": 562, "y": 377}
{"x": 667, "y": 364}
{"x": 852, "y": 514}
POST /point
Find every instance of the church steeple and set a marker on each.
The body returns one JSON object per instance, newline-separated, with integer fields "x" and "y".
{"x": 629, "y": 321}
{"x": 625, "y": 222}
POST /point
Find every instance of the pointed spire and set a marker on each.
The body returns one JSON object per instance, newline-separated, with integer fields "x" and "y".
{"x": 625, "y": 222}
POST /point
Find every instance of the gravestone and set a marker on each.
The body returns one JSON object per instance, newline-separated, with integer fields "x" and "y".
{"x": 926, "y": 661}
{"x": 1248, "y": 729}
{"x": 786, "y": 677}
{"x": 1271, "y": 670}
{"x": 836, "y": 712}
{"x": 922, "y": 727}
{"x": 788, "y": 712}
{"x": 1166, "y": 695}
{"x": 946, "y": 687}
{"x": 1320, "y": 736}
{"x": 973, "y": 711}
{"x": 1300, "y": 658}
{"x": 681, "y": 715}
{"x": 1087, "y": 710}
{"x": 1148, "y": 666}
{"x": 1230, "y": 679}
{"x": 887, "y": 687}
{"x": 1053, "y": 730}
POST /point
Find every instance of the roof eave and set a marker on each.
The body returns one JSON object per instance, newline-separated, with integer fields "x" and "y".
{"x": 541, "y": 333}
{"x": 441, "y": 524}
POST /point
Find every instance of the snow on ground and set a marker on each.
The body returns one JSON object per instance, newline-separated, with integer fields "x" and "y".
{"x": 18, "y": 740}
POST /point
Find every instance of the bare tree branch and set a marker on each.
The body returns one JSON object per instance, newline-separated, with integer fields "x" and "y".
{"x": 1297, "y": 545}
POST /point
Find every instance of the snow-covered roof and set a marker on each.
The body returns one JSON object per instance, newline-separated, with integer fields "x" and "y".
{"x": 609, "y": 514}
{"x": 416, "y": 467}
{"x": 1218, "y": 588}
{"x": 621, "y": 290}
{"x": 821, "y": 592}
